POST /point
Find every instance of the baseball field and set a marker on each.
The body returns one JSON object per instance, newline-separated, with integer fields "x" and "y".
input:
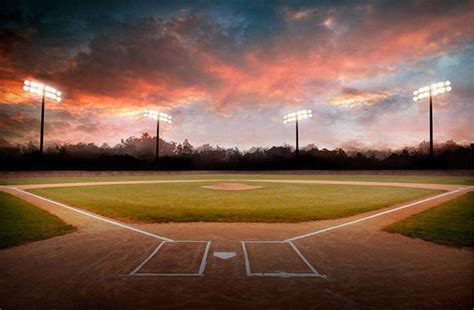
{"x": 246, "y": 240}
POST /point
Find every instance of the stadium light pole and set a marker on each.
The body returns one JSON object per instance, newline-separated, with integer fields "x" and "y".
{"x": 44, "y": 91}
{"x": 431, "y": 91}
{"x": 296, "y": 117}
{"x": 159, "y": 117}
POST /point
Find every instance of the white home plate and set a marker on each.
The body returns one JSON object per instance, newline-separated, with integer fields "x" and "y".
{"x": 224, "y": 255}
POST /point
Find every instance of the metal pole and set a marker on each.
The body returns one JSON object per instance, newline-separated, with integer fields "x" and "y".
{"x": 431, "y": 126}
{"x": 42, "y": 126}
{"x": 157, "y": 139}
{"x": 297, "y": 140}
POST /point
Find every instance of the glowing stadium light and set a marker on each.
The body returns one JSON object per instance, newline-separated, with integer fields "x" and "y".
{"x": 159, "y": 117}
{"x": 163, "y": 117}
{"x": 295, "y": 117}
{"x": 431, "y": 91}
{"x": 44, "y": 91}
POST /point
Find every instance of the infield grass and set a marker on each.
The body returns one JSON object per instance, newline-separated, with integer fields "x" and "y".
{"x": 21, "y": 222}
{"x": 188, "y": 202}
{"x": 460, "y": 180}
{"x": 451, "y": 223}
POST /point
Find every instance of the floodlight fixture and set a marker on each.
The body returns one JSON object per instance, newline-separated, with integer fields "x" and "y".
{"x": 45, "y": 91}
{"x": 159, "y": 117}
{"x": 431, "y": 91}
{"x": 296, "y": 117}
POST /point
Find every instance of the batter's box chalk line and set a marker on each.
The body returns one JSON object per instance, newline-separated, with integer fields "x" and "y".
{"x": 249, "y": 272}
{"x": 200, "y": 272}
{"x": 164, "y": 240}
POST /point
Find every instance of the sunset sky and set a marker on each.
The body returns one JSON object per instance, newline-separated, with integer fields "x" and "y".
{"x": 228, "y": 71}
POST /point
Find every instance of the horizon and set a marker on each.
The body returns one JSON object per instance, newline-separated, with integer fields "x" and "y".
{"x": 229, "y": 72}
{"x": 423, "y": 145}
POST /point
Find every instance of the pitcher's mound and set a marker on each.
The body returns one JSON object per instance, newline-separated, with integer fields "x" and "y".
{"x": 231, "y": 186}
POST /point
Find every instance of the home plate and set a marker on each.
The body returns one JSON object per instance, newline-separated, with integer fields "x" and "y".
{"x": 224, "y": 255}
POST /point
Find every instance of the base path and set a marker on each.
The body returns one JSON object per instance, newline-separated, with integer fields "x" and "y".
{"x": 355, "y": 263}
{"x": 398, "y": 184}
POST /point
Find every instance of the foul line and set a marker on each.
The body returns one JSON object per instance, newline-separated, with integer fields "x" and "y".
{"x": 375, "y": 215}
{"x": 97, "y": 217}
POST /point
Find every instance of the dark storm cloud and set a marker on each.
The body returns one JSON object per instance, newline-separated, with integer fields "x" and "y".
{"x": 146, "y": 50}
{"x": 16, "y": 123}
{"x": 20, "y": 122}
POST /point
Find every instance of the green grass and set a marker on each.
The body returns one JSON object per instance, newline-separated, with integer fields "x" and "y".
{"x": 464, "y": 180}
{"x": 451, "y": 223}
{"x": 21, "y": 222}
{"x": 188, "y": 202}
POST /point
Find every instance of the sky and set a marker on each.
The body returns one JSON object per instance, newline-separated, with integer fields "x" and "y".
{"x": 228, "y": 71}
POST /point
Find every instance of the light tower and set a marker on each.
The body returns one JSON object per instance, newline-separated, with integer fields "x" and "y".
{"x": 431, "y": 91}
{"x": 158, "y": 116}
{"x": 44, "y": 91}
{"x": 295, "y": 117}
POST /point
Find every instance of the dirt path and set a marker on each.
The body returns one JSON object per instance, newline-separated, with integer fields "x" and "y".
{"x": 397, "y": 184}
{"x": 365, "y": 266}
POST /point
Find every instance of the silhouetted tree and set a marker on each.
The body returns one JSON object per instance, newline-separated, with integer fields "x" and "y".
{"x": 139, "y": 153}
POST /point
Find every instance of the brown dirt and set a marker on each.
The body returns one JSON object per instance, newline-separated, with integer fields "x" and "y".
{"x": 176, "y": 257}
{"x": 274, "y": 257}
{"x": 397, "y": 184}
{"x": 231, "y": 186}
{"x": 366, "y": 267}
{"x": 76, "y": 173}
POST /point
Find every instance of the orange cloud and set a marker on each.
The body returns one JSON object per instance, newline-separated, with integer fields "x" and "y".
{"x": 191, "y": 58}
{"x": 352, "y": 98}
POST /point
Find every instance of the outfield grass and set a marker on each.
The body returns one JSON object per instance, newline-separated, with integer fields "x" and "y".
{"x": 460, "y": 180}
{"x": 188, "y": 202}
{"x": 21, "y": 222}
{"x": 451, "y": 223}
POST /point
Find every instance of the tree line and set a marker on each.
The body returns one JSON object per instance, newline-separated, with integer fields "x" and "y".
{"x": 138, "y": 153}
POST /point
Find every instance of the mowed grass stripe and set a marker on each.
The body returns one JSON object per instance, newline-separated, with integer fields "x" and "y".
{"x": 451, "y": 223}
{"x": 190, "y": 203}
{"x": 21, "y": 222}
{"x": 365, "y": 178}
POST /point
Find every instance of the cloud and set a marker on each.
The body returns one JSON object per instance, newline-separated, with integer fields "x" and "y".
{"x": 298, "y": 15}
{"x": 341, "y": 60}
{"x": 355, "y": 98}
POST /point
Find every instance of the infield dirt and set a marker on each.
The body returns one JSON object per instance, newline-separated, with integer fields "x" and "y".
{"x": 365, "y": 267}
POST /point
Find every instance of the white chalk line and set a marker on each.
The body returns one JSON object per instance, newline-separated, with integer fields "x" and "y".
{"x": 246, "y": 259}
{"x": 247, "y": 262}
{"x": 376, "y": 215}
{"x": 94, "y": 216}
{"x": 204, "y": 258}
{"x": 315, "y": 273}
{"x": 305, "y": 260}
{"x": 147, "y": 259}
{"x": 202, "y": 266}
{"x": 248, "y": 269}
